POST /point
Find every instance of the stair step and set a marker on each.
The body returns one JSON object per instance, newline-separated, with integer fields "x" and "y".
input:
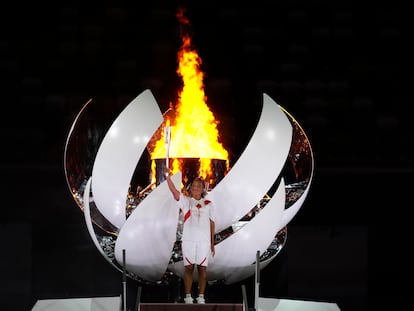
{"x": 190, "y": 307}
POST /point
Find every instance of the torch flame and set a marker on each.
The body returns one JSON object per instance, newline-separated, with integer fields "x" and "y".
{"x": 194, "y": 132}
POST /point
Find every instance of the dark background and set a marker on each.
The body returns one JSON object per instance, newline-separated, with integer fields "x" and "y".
{"x": 340, "y": 68}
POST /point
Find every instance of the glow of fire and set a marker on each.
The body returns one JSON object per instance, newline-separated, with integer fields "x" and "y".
{"x": 194, "y": 132}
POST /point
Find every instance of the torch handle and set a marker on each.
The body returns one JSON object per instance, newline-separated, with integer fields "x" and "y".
{"x": 167, "y": 139}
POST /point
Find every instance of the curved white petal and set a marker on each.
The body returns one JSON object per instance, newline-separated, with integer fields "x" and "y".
{"x": 87, "y": 215}
{"x": 119, "y": 154}
{"x": 257, "y": 168}
{"x": 235, "y": 274}
{"x": 149, "y": 234}
{"x": 88, "y": 220}
{"x": 240, "y": 249}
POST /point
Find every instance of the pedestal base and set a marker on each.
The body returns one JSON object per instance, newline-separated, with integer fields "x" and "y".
{"x": 79, "y": 304}
{"x": 274, "y": 304}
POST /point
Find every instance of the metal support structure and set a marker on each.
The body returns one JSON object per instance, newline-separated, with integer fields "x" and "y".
{"x": 124, "y": 280}
{"x": 245, "y": 302}
{"x": 257, "y": 282}
{"x": 120, "y": 302}
{"x": 138, "y": 300}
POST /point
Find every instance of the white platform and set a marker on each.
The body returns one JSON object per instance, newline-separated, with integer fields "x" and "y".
{"x": 274, "y": 304}
{"x": 79, "y": 304}
{"x": 114, "y": 304}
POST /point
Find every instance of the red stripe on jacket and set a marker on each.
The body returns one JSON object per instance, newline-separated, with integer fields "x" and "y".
{"x": 187, "y": 215}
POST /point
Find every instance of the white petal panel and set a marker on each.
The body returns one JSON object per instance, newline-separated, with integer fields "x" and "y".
{"x": 119, "y": 154}
{"x": 255, "y": 171}
{"x": 240, "y": 249}
{"x": 235, "y": 274}
{"x": 149, "y": 234}
{"x": 87, "y": 215}
{"x": 88, "y": 220}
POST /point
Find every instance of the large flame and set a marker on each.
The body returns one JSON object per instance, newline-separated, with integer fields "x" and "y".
{"x": 194, "y": 132}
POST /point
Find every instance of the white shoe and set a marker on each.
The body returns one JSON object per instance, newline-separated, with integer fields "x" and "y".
{"x": 188, "y": 300}
{"x": 201, "y": 300}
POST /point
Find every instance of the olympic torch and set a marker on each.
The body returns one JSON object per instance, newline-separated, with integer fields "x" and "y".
{"x": 167, "y": 140}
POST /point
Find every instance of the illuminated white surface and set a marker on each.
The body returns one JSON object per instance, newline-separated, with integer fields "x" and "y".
{"x": 89, "y": 224}
{"x": 241, "y": 247}
{"x": 79, "y": 304}
{"x": 248, "y": 181}
{"x": 274, "y": 304}
{"x": 149, "y": 234}
{"x": 88, "y": 219}
{"x": 119, "y": 154}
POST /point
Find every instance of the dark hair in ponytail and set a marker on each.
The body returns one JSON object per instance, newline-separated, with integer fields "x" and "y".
{"x": 203, "y": 184}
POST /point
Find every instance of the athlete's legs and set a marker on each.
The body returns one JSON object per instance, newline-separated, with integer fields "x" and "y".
{"x": 188, "y": 278}
{"x": 202, "y": 279}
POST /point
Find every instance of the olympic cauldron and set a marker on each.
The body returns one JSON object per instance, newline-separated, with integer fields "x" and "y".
{"x": 255, "y": 199}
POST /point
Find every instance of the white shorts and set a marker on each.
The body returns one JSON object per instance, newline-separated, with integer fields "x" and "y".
{"x": 195, "y": 253}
